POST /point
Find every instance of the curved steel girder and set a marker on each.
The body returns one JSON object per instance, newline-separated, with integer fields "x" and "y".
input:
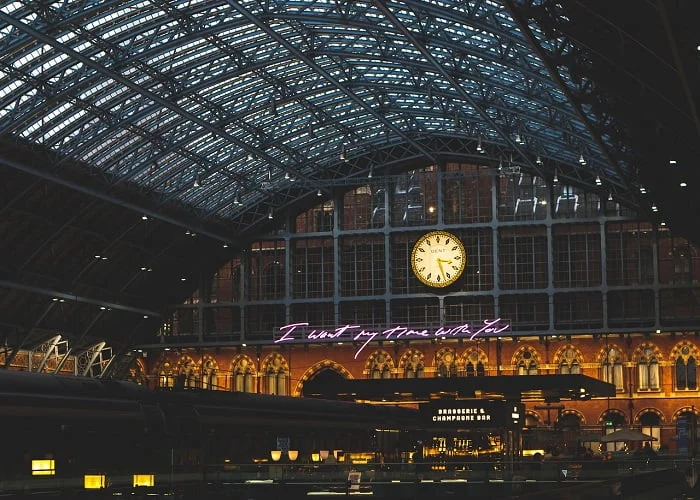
{"x": 152, "y": 71}
{"x": 520, "y": 70}
{"x": 455, "y": 84}
{"x": 144, "y": 93}
{"x": 547, "y": 60}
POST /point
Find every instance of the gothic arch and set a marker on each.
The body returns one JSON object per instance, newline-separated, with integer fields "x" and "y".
{"x": 326, "y": 364}
{"x": 275, "y": 372}
{"x": 186, "y": 367}
{"x": 473, "y": 361}
{"x": 445, "y": 362}
{"x": 137, "y": 372}
{"x": 565, "y": 352}
{"x": 474, "y": 354}
{"x": 243, "y": 374}
{"x": 603, "y": 353}
{"x": 209, "y": 368}
{"x": 379, "y": 362}
{"x": 640, "y": 351}
{"x": 525, "y": 361}
{"x": 644, "y": 411}
{"x": 533, "y": 415}
{"x": 520, "y": 351}
{"x": 685, "y": 409}
{"x": 412, "y": 361}
{"x": 683, "y": 349}
{"x": 601, "y": 417}
{"x": 581, "y": 417}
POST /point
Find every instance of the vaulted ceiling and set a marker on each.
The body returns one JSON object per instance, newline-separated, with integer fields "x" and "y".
{"x": 142, "y": 141}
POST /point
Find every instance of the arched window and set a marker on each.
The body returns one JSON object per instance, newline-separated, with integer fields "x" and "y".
{"x": 276, "y": 375}
{"x": 209, "y": 376}
{"x": 612, "y": 369}
{"x": 569, "y": 422}
{"x": 651, "y": 425}
{"x": 526, "y": 363}
{"x": 613, "y": 420}
{"x": 648, "y": 370}
{"x": 188, "y": 373}
{"x": 475, "y": 363}
{"x": 166, "y": 379}
{"x": 686, "y": 369}
{"x": 446, "y": 363}
{"x": 569, "y": 364}
{"x": 413, "y": 366}
{"x": 379, "y": 365}
{"x": 243, "y": 376}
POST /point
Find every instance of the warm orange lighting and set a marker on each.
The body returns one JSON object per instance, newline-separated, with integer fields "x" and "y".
{"x": 147, "y": 480}
{"x": 323, "y": 454}
{"x": 43, "y": 467}
{"x": 293, "y": 455}
{"x": 94, "y": 481}
{"x": 275, "y": 455}
{"x": 315, "y": 457}
{"x": 336, "y": 453}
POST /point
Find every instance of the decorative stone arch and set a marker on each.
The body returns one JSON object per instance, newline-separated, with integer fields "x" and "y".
{"x": 209, "y": 368}
{"x": 644, "y": 411}
{"x": 525, "y": 355}
{"x": 326, "y": 364}
{"x": 165, "y": 373}
{"x": 642, "y": 351}
{"x": 275, "y": 371}
{"x": 612, "y": 411}
{"x": 379, "y": 364}
{"x": 567, "y": 353}
{"x": 244, "y": 373}
{"x": 684, "y": 409}
{"x": 684, "y": 349}
{"x": 445, "y": 362}
{"x": 186, "y": 367}
{"x": 580, "y": 416}
{"x": 412, "y": 361}
{"x": 477, "y": 357}
{"x": 605, "y": 350}
{"x": 138, "y": 373}
{"x": 532, "y": 415}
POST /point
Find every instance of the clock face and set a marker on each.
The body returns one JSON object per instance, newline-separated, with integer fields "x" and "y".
{"x": 438, "y": 259}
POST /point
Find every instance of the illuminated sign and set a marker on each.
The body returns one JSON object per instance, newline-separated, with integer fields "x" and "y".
{"x": 302, "y": 333}
{"x": 472, "y": 413}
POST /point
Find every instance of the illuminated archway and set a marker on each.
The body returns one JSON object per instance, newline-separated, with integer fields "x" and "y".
{"x": 326, "y": 365}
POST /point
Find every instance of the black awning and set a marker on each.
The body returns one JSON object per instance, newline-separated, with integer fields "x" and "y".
{"x": 510, "y": 387}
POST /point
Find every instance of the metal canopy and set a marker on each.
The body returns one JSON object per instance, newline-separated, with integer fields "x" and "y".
{"x": 256, "y": 101}
{"x": 154, "y": 131}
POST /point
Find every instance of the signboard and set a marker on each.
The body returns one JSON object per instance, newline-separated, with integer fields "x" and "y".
{"x": 302, "y": 333}
{"x": 472, "y": 414}
{"x": 354, "y": 478}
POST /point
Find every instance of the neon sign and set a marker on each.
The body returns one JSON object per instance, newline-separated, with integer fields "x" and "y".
{"x": 302, "y": 333}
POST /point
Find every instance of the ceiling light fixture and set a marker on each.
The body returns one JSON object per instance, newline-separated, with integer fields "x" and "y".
{"x": 671, "y": 162}
{"x": 555, "y": 179}
{"x": 236, "y": 200}
{"x": 539, "y": 159}
{"x": 654, "y": 208}
{"x": 371, "y": 172}
{"x": 598, "y": 182}
{"x": 343, "y": 157}
{"x": 684, "y": 184}
{"x": 610, "y": 196}
{"x": 269, "y": 213}
{"x": 479, "y": 148}
{"x": 144, "y": 217}
{"x": 581, "y": 159}
{"x": 196, "y": 181}
{"x": 319, "y": 193}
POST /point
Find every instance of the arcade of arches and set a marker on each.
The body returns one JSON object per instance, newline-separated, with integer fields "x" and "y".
{"x": 655, "y": 376}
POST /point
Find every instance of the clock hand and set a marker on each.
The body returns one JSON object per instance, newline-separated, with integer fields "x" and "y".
{"x": 440, "y": 261}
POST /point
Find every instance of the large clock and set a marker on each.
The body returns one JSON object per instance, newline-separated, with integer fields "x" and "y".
{"x": 438, "y": 259}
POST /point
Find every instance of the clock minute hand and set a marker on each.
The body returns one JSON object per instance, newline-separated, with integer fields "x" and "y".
{"x": 440, "y": 261}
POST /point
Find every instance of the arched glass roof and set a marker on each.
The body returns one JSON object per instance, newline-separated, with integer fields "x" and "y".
{"x": 233, "y": 108}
